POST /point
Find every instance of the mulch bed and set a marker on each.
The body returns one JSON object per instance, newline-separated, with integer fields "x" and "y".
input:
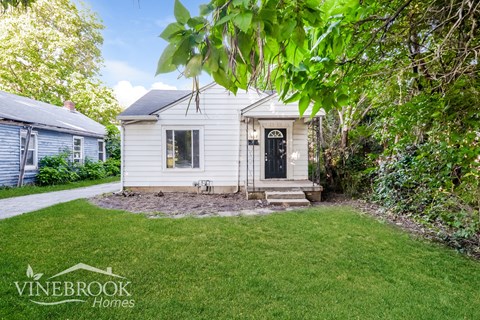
{"x": 178, "y": 203}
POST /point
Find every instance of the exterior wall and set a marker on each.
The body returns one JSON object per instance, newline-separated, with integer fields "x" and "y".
{"x": 219, "y": 122}
{"x": 48, "y": 143}
{"x": 222, "y": 144}
{"x": 9, "y": 154}
{"x": 297, "y": 149}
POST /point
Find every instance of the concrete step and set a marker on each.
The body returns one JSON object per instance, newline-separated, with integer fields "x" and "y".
{"x": 289, "y": 202}
{"x": 284, "y": 195}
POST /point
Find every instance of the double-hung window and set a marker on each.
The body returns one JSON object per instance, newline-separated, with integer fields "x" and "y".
{"x": 101, "y": 150}
{"x": 182, "y": 149}
{"x": 78, "y": 149}
{"x": 31, "y": 149}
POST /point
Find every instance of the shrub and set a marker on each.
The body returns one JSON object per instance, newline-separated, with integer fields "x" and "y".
{"x": 56, "y": 169}
{"x": 112, "y": 167}
{"x": 91, "y": 170}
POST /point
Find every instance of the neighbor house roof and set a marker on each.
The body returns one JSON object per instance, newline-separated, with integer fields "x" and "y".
{"x": 40, "y": 114}
{"x": 153, "y": 101}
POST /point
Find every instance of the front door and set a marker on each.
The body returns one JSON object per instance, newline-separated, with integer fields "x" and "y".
{"x": 275, "y": 153}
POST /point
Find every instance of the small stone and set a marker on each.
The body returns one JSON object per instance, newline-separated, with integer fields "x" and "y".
{"x": 159, "y": 194}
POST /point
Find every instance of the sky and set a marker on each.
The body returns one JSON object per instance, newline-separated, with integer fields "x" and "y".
{"x": 132, "y": 45}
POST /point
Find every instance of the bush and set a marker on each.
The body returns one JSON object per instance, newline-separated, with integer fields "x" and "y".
{"x": 56, "y": 169}
{"x": 112, "y": 167}
{"x": 91, "y": 170}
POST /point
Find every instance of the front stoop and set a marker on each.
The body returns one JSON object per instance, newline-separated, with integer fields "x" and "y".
{"x": 286, "y": 198}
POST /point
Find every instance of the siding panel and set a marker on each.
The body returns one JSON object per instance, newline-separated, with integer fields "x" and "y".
{"x": 224, "y": 142}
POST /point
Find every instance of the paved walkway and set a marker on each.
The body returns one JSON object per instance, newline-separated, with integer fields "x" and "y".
{"x": 14, "y": 206}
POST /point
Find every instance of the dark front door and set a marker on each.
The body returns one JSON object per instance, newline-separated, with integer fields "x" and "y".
{"x": 275, "y": 153}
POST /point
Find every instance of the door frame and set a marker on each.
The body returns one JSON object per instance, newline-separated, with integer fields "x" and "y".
{"x": 276, "y": 124}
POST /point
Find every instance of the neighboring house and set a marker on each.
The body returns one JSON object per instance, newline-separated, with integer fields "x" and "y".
{"x": 52, "y": 130}
{"x": 249, "y": 141}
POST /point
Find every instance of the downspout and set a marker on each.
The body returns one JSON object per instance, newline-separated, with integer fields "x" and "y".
{"x": 239, "y": 151}
{"x": 122, "y": 156}
{"x": 24, "y": 158}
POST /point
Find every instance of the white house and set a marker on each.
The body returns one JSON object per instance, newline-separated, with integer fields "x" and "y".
{"x": 249, "y": 141}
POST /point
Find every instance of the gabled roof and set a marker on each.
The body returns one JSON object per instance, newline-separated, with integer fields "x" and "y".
{"x": 153, "y": 101}
{"x": 21, "y": 109}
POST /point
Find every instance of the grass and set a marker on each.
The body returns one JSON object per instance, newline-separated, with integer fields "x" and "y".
{"x": 32, "y": 189}
{"x": 320, "y": 263}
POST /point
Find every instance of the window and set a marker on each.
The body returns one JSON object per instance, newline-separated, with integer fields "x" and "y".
{"x": 78, "y": 149}
{"x": 275, "y": 134}
{"x": 32, "y": 152}
{"x": 182, "y": 149}
{"x": 101, "y": 150}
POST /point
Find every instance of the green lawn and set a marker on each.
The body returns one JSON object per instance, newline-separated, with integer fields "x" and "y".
{"x": 320, "y": 263}
{"x": 31, "y": 189}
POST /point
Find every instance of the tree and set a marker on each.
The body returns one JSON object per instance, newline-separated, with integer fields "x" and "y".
{"x": 312, "y": 50}
{"x": 5, "y": 4}
{"x": 399, "y": 80}
{"x": 51, "y": 52}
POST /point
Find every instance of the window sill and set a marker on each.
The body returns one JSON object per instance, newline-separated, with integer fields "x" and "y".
{"x": 183, "y": 170}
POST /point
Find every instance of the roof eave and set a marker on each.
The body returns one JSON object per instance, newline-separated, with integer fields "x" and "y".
{"x": 149, "y": 117}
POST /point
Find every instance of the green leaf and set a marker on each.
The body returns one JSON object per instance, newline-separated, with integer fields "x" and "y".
{"x": 342, "y": 99}
{"x": 224, "y": 19}
{"x": 243, "y": 21}
{"x": 181, "y": 13}
{"x": 206, "y": 9}
{"x": 303, "y": 104}
{"x": 316, "y": 107}
{"x": 194, "y": 66}
{"x": 325, "y": 34}
{"x": 299, "y": 36}
{"x": 221, "y": 78}
{"x": 237, "y": 3}
{"x": 286, "y": 29}
{"x": 171, "y": 30}
{"x": 294, "y": 97}
{"x": 165, "y": 64}
{"x": 182, "y": 53}
{"x": 196, "y": 22}
{"x": 327, "y": 102}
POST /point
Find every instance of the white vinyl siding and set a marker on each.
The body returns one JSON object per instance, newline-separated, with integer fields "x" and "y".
{"x": 222, "y": 143}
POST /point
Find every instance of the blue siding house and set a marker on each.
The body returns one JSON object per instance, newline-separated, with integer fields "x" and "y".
{"x": 41, "y": 129}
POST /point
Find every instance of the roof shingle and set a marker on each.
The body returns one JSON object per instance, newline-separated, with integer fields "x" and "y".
{"x": 153, "y": 101}
{"x": 22, "y": 109}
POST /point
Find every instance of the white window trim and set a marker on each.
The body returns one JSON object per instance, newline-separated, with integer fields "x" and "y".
{"x": 82, "y": 149}
{"x": 35, "y": 153}
{"x": 98, "y": 151}
{"x": 164, "y": 148}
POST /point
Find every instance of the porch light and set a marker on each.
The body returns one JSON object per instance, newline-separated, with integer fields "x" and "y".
{"x": 253, "y": 137}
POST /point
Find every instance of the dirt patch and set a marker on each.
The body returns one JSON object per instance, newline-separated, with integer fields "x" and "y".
{"x": 184, "y": 204}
